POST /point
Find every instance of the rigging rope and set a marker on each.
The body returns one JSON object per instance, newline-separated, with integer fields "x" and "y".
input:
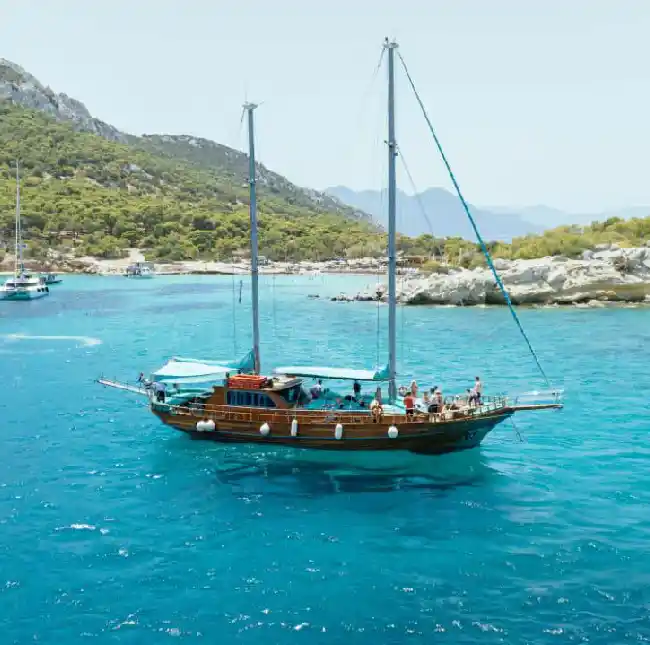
{"x": 473, "y": 223}
{"x": 416, "y": 194}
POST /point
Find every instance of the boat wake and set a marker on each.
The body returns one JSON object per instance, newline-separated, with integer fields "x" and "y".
{"x": 85, "y": 341}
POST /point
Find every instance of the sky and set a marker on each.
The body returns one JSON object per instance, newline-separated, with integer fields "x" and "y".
{"x": 535, "y": 101}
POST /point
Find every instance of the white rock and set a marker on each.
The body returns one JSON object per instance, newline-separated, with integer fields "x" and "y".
{"x": 612, "y": 274}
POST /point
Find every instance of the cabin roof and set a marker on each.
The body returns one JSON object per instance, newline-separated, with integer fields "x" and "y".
{"x": 283, "y": 383}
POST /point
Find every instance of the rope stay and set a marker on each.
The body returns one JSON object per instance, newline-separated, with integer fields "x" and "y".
{"x": 416, "y": 194}
{"x": 484, "y": 248}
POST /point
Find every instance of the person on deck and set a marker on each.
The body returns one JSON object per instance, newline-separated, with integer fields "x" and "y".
{"x": 316, "y": 390}
{"x": 409, "y": 404}
{"x": 475, "y": 394}
{"x": 159, "y": 389}
{"x": 437, "y": 403}
{"x": 376, "y": 407}
{"x": 356, "y": 388}
{"x": 142, "y": 380}
{"x": 432, "y": 400}
{"x": 414, "y": 389}
{"x": 478, "y": 390}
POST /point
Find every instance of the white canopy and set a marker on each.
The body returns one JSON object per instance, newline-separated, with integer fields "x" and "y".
{"x": 334, "y": 373}
{"x": 183, "y": 371}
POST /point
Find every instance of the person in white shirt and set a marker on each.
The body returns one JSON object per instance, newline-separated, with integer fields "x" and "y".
{"x": 316, "y": 390}
{"x": 477, "y": 391}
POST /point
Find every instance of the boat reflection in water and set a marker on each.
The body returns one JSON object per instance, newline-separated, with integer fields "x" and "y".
{"x": 306, "y": 472}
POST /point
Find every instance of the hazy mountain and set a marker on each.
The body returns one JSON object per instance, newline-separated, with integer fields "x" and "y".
{"x": 445, "y": 214}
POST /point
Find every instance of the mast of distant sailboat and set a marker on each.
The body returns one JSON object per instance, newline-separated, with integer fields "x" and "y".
{"x": 249, "y": 108}
{"x": 392, "y": 251}
{"x": 18, "y": 258}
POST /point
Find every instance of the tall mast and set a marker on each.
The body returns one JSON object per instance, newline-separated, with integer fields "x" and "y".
{"x": 250, "y": 107}
{"x": 391, "y": 46}
{"x": 19, "y": 241}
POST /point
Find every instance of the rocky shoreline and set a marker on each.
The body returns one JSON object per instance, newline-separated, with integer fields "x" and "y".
{"x": 608, "y": 275}
{"x": 605, "y": 275}
{"x": 96, "y": 266}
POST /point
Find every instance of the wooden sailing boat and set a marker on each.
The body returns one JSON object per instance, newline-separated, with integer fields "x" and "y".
{"x": 22, "y": 285}
{"x": 247, "y": 407}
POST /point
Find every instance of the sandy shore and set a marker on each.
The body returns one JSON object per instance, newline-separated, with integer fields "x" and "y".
{"x": 99, "y": 266}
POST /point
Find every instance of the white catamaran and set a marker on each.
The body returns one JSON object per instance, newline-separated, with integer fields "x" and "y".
{"x": 22, "y": 286}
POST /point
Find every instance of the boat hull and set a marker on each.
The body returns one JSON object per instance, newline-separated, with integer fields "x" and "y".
{"x": 416, "y": 437}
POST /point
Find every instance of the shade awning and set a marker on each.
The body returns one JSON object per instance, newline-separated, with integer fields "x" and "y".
{"x": 334, "y": 373}
{"x": 189, "y": 372}
{"x": 193, "y": 370}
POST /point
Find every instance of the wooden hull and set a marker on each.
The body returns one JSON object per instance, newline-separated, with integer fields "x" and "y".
{"x": 420, "y": 437}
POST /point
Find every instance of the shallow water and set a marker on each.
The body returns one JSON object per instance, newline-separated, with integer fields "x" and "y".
{"x": 115, "y": 529}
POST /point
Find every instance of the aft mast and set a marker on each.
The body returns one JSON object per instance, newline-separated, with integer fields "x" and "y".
{"x": 391, "y": 46}
{"x": 249, "y": 108}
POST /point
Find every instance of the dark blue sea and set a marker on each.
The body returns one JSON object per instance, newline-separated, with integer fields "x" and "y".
{"x": 116, "y": 529}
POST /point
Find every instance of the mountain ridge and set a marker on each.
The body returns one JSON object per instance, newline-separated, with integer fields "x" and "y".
{"x": 445, "y": 214}
{"x": 90, "y": 189}
{"x": 19, "y": 87}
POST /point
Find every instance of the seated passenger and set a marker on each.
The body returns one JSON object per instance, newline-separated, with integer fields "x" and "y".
{"x": 376, "y": 406}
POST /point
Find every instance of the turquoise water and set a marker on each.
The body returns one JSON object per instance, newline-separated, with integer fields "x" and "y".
{"x": 115, "y": 529}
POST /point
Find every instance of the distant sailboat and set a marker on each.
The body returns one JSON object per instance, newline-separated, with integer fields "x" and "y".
{"x": 22, "y": 286}
{"x": 278, "y": 410}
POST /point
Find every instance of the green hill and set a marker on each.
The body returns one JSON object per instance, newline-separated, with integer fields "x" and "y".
{"x": 179, "y": 197}
{"x": 569, "y": 241}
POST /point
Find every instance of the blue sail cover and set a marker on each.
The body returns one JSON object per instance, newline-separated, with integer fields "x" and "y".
{"x": 183, "y": 371}
{"x": 334, "y": 373}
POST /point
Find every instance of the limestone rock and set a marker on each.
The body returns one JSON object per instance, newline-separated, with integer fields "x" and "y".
{"x": 611, "y": 274}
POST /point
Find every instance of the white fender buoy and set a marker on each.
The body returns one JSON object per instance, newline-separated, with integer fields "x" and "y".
{"x": 338, "y": 431}
{"x": 294, "y": 428}
{"x": 205, "y": 426}
{"x": 393, "y": 432}
{"x": 265, "y": 429}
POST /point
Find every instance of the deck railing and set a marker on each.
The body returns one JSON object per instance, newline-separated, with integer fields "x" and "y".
{"x": 319, "y": 417}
